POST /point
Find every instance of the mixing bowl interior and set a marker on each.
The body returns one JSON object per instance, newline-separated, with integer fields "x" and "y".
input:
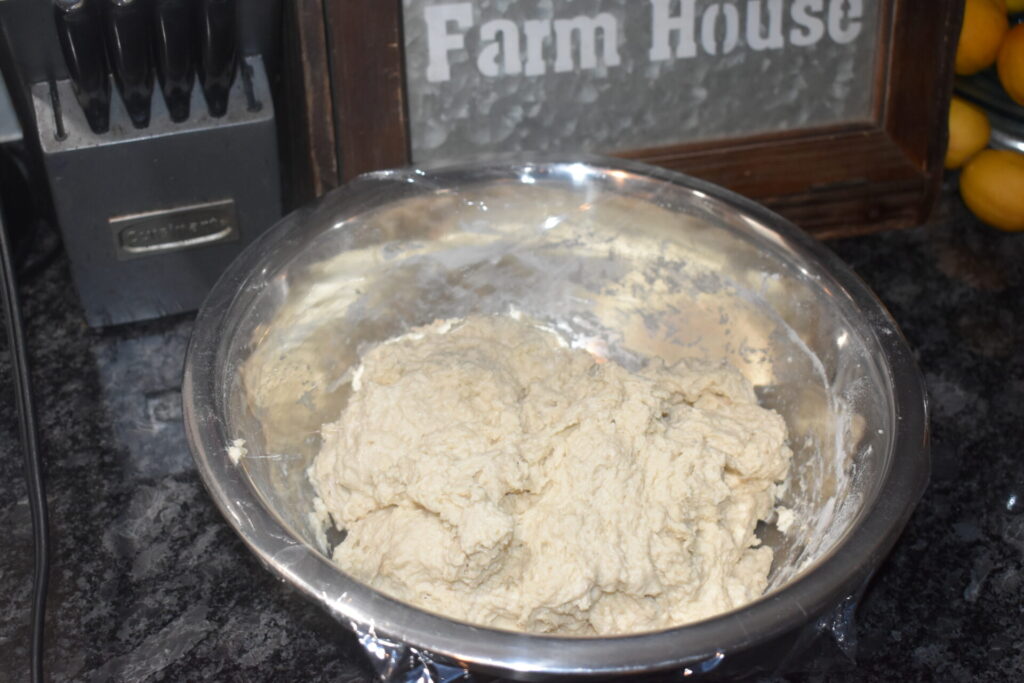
{"x": 626, "y": 266}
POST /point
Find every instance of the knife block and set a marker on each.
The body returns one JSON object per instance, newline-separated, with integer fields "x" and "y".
{"x": 150, "y": 217}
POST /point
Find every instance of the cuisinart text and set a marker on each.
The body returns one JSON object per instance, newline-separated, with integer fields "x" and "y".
{"x": 679, "y": 30}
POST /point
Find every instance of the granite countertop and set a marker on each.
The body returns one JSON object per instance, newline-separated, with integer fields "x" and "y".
{"x": 149, "y": 583}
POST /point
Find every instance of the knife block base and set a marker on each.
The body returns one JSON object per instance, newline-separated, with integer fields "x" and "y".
{"x": 150, "y": 217}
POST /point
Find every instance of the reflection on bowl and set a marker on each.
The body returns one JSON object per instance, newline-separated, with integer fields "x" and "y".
{"x": 1005, "y": 115}
{"x": 621, "y": 257}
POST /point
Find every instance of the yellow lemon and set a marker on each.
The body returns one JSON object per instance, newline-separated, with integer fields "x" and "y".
{"x": 968, "y": 132}
{"x": 1010, "y": 63}
{"x": 992, "y": 185}
{"x": 984, "y": 25}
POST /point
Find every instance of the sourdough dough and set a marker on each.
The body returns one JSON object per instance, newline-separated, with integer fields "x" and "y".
{"x": 485, "y": 472}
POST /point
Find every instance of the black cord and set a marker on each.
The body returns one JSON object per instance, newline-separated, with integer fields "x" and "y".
{"x": 33, "y": 463}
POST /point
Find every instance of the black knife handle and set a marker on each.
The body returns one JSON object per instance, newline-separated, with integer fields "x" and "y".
{"x": 172, "y": 33}
{"x": 81, "y": 39}
{"x": 129, "y": 46}
{"x": 217, "y": 52}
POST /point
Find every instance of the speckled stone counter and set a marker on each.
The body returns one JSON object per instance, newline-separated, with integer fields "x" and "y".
{"x": 150, "y": 584}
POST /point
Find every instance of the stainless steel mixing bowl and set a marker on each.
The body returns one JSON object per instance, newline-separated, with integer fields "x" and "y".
{"x": 622, "y": 258}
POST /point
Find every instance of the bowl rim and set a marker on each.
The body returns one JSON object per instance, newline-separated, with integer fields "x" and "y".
{"x": 702, "y": 644}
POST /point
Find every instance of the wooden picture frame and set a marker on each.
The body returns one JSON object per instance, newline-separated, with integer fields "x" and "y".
{"x": 349, "y": 117}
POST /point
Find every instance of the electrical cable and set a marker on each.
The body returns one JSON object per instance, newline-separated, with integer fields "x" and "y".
{"x": 33, "y": 462}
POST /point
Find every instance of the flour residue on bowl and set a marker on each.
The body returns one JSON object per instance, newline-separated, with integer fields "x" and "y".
{"x": 486, "y": 472}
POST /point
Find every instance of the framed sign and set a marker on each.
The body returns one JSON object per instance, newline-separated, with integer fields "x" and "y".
{"x": 831, "y": 112}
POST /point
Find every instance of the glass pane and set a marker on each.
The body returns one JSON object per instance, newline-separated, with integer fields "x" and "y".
{"x": 616, "y": 75}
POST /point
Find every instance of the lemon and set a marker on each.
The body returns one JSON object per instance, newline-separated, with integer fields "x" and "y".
{"x": 1010, "y": 63}
{"x": 992, "y": 186}
{"x": 968, "y": 132}
{"x": 984, "y": 25}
